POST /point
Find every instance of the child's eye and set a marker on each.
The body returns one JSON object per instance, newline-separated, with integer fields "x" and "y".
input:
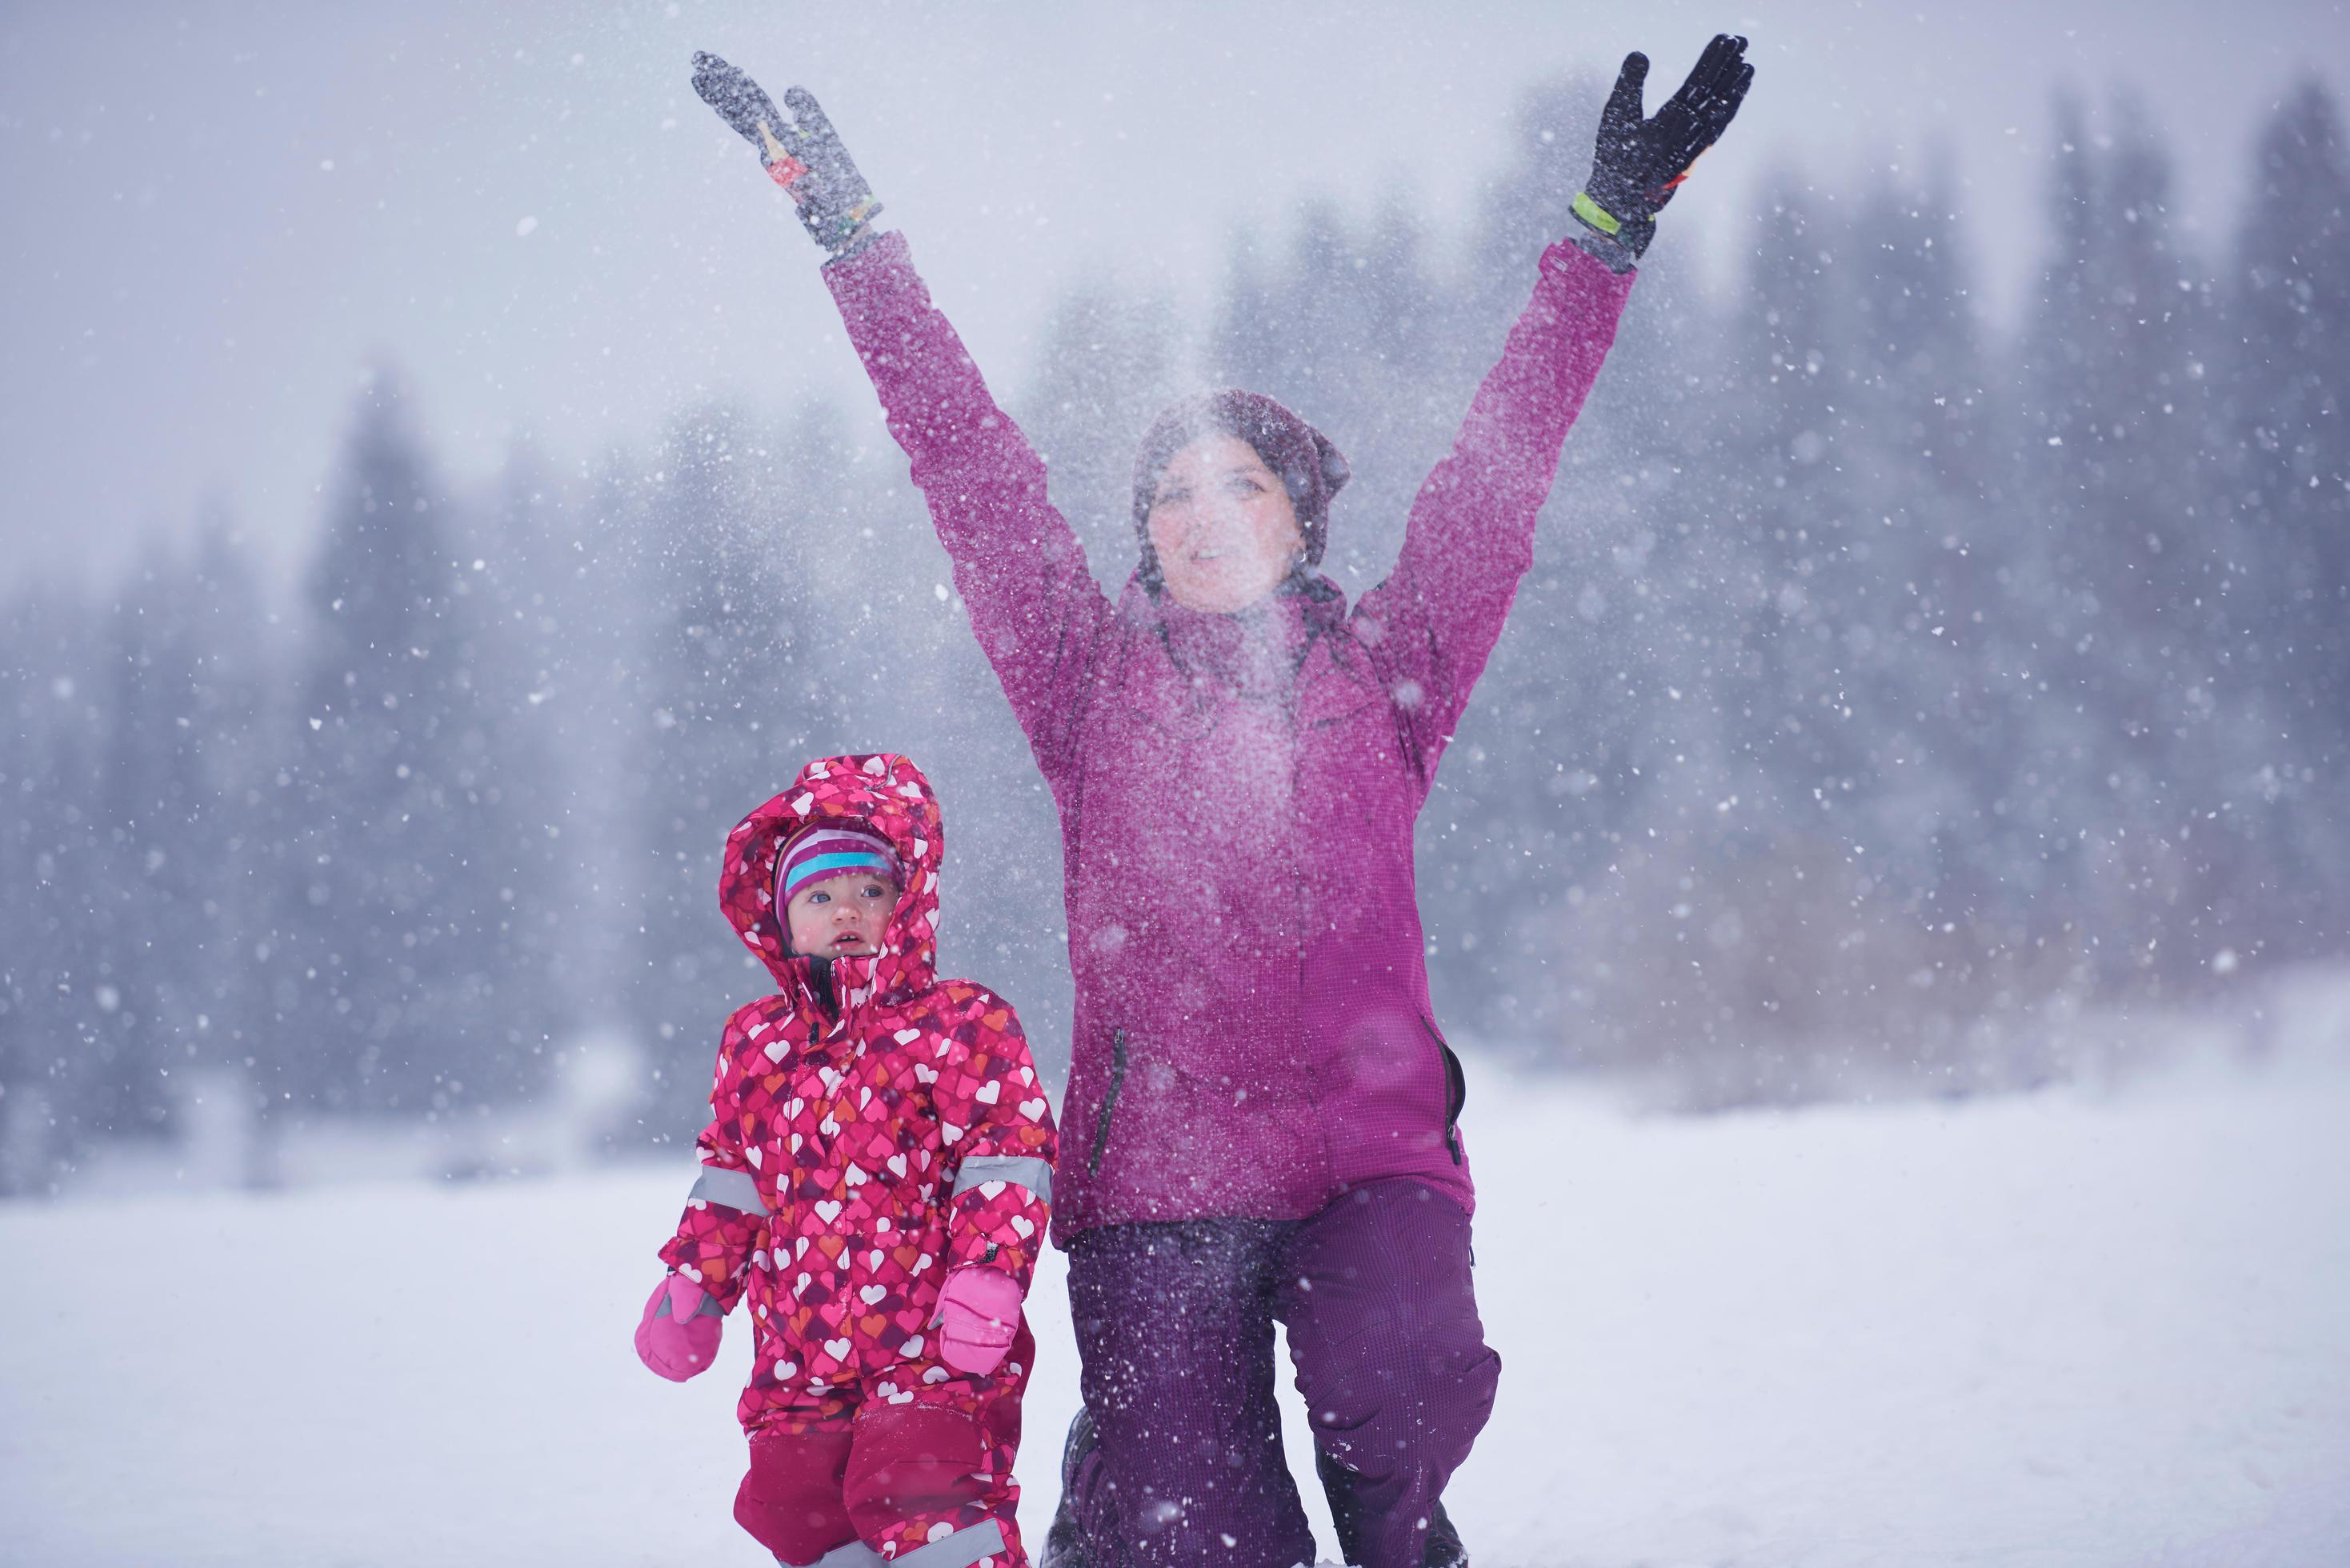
{"x": 819, "y": 897}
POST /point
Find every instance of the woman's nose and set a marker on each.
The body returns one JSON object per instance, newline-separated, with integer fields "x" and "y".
{"x": 1206, "y": 524}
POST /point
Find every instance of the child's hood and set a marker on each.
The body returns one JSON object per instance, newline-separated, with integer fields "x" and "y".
{"x": 884, "y": 792}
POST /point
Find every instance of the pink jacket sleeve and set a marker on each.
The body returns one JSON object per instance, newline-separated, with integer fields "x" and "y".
{"x": 1017, "y": 563}
{"x": 1470, "y": 534}
{"x": 1001, "y": 1142}
{"x": 725, "y": 1214}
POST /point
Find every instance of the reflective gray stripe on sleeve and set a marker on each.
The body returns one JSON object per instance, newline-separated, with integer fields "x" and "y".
{"x": 960, "y": 1549}
{"x": 1028, "y": 1170}
{"x": 734, "y": 1188}
{"x": 856, "y": 1554}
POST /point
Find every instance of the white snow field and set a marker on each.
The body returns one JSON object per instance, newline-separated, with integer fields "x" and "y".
{"x": 2078, "y": 1327}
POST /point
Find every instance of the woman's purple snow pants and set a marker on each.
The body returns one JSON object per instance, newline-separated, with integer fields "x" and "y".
{"x": 1174, "y": 1324}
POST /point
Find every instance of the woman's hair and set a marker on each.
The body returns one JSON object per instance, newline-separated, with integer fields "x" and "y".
{"x": 1311, "y": 469}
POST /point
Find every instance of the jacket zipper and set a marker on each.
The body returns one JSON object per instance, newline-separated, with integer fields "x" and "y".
{"x": 1456, "y": 1090}
{"x": 1109, "y": 1100}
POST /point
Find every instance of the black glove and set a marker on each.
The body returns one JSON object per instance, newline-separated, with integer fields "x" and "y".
{"x": 803, "y": 153}
{"x": 1639, "y": 162}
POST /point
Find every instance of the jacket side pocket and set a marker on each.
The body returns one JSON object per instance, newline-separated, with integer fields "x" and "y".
{"x": 1456, "y": 1089}
{"x": 1110, "y": 1102}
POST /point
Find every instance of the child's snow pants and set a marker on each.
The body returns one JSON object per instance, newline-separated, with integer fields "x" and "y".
{"x": 1175, "y": 1322}
{"x": 860, "y": 1479}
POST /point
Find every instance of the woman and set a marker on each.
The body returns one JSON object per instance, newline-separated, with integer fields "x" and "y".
{"x": 1262, "y": 1117}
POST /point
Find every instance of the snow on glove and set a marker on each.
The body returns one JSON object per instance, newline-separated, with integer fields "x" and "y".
{"x": 801, "y": 151}
{"x": 1640, "y": 161}
{"x": 979, "y": 1311}
{"x": 678, "y": 1336}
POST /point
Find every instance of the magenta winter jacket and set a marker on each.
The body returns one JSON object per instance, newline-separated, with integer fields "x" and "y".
{"x": 1237, "y": 792}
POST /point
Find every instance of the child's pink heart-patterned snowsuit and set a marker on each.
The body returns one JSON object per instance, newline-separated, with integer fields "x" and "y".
{"x": 850, "y": 1163}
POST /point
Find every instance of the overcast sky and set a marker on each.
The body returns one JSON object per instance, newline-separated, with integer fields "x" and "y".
{"x": 218, "y": 216}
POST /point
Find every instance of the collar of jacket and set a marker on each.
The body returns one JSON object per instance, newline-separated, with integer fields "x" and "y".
{"x": 1253, "y": 651}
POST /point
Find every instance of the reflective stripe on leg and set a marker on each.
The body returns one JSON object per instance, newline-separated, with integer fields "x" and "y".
{"x": 960, "y": 1549}
{"x": 856, "y": 1554}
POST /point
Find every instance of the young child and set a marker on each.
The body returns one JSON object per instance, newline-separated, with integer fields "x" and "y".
{"x": 876, "y": 1178}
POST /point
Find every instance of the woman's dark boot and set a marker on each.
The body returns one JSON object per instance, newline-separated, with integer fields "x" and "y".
{"x": 1445, "y": 1548}
{"x": 1065, "y": 1542}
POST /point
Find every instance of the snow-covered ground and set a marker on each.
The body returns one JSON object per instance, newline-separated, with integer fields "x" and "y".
{"x": 2082, "y": 1327}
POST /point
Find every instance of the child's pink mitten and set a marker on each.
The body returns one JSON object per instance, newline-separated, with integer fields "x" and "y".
{"x": 979, "y": 1311}
{"x": 678, "y": 1336}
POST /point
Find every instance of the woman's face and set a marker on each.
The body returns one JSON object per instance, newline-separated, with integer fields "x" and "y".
{"x": 1223, "y": 526}
{"x": 841, "y": 917}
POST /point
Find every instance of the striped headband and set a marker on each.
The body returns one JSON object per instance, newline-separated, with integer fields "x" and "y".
{"x": 826, "y": 850}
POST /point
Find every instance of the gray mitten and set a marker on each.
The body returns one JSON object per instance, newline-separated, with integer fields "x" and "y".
{"x": 801, "y": 151}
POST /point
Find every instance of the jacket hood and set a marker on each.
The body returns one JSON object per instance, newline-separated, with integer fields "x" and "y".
{"x": 883, "y": 793}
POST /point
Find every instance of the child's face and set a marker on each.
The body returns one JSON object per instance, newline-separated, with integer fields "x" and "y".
{"x": 841, "y": 917}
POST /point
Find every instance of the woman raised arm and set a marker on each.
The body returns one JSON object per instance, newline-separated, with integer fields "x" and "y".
{"x": 1017, "y": 563}
{"x": 1470, "y": 537}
